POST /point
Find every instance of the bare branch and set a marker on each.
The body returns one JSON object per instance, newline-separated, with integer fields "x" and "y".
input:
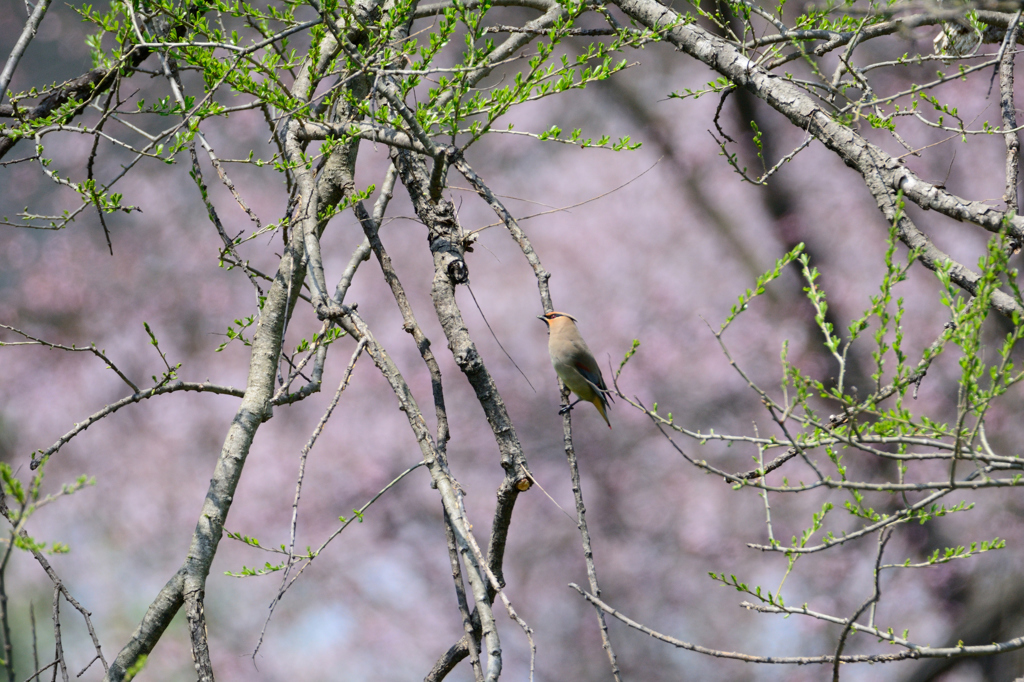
{"x": 75, "y": 349}
{"x": 171, "y": 387}
{"x": 883, "y": 539}
{"x": 1006, "y": 106}
{"x": 27, "y": 34}
{"x": 290, "y": 552}
{"x": 581, "y": 524}
{"x": 883, "y": 174}
{"x": 443, "y": 481}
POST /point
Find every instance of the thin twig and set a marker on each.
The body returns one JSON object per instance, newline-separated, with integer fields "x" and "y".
{"x": 472, "y": 631}
{"x": 289, "y": 561}
{"x": 33, "y": 341}
{"x": 480, "y": 310}
{"x": 170, "y": 387}
{"x": 883, "y": 538}
{"x": 581, "y": 524}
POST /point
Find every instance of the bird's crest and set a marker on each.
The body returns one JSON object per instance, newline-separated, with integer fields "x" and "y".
{"x": 554, "y": 314}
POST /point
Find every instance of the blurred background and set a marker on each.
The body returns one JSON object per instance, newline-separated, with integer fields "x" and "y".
{"x": 653, "y": 244}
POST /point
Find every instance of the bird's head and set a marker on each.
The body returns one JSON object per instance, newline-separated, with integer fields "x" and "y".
{"x": 555, "y": 318}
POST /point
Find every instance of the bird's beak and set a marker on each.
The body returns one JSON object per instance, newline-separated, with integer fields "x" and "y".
{"x": 542, "y": 318}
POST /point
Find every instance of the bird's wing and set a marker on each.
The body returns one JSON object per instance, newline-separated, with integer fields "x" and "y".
{"x": 593, "y": 376}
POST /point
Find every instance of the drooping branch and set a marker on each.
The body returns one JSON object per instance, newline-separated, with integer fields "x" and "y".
{"x": 371, "y": 229}
{"x": 447, "y": 246}
{"x": 884, "y": 175}
{"x": 443, "y": 481}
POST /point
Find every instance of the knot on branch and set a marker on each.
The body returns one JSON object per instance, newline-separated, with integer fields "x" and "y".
{"x": 327, "y": 309}
{"x": 446, "y": 242}
{"x": 441, "y": 222}
{"x": 457, "y": 271}
{"x": 366, "y": 13}
{"x": 452, "y": 154}
{"x": 467, "y": 359}
{"x": 1013, "y": 245}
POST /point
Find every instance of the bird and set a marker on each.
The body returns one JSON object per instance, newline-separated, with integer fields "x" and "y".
{"x": 575, "y": 364}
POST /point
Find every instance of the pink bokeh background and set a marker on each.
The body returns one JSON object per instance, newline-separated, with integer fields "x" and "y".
{"x": 643, "y": 262}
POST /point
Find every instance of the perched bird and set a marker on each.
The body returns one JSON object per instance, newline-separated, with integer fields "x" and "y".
{"x": 574, "y": 363}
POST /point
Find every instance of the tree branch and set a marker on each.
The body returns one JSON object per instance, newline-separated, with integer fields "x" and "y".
{"x": 883, "y": 174}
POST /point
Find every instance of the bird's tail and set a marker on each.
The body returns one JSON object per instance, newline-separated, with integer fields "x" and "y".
{"x": 601, "y": 404}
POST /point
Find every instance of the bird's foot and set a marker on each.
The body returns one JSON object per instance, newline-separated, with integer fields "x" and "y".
{"x": 565, "y": 409}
